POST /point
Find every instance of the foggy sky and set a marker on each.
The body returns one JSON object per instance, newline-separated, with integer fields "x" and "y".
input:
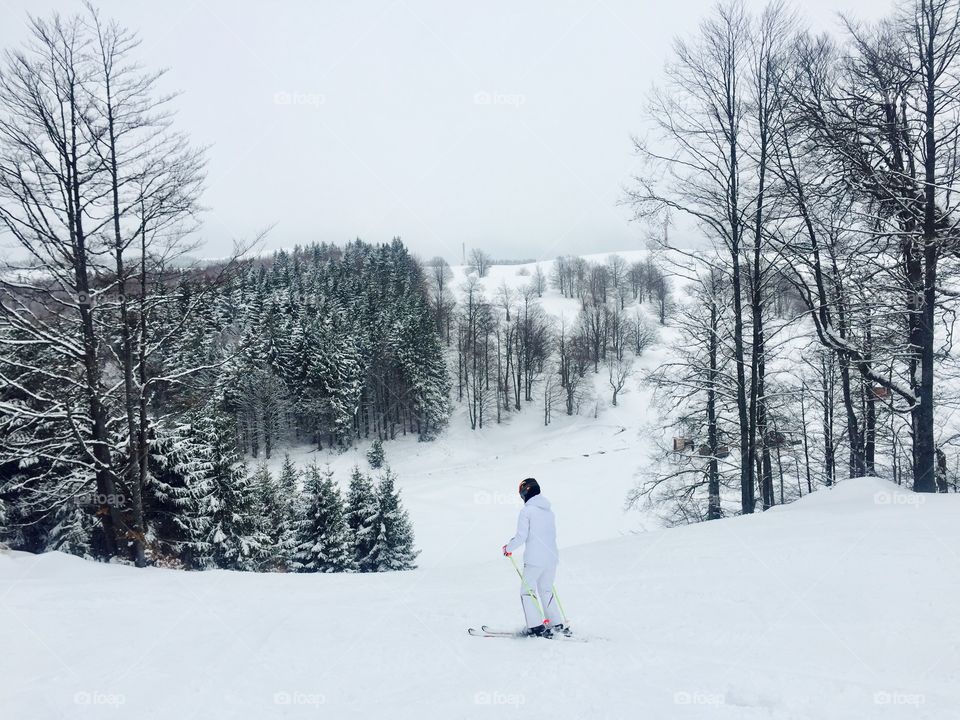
{"x": 501, "y": 125}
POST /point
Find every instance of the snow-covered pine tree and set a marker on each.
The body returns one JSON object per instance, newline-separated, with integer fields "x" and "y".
{"x": 331, "y": 379}
{"x": 324, "y": 541}
{"x": 194, "y": 345}
{"x": 421, "y": 358}
{"x": 393, "y": 548}
{"x": 346, "y": 382}
{"x": 175, "y": 496}
{"x": 11, "y": 529}
{"x": 289, "y": 480}
{"x": 288, "y": 486}
{"x": 363, "y": 508}
{"x": 235, "y": 535}
{"x": 375, "y": 454}
{"x": 254, "y": 392}
{"x": 73, "y": 529}
{"x": 273, "y": 513}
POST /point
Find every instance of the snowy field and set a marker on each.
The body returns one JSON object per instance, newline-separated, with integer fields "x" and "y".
{"x": 839, "y": 606}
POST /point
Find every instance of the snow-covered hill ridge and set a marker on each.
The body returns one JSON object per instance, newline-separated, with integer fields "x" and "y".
{"x": 797, "y": 613}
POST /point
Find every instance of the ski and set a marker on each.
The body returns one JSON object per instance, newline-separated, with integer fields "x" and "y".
{"x": 487, "y": 631}
{"x": 493, "y": 633}
{"x": 565, "y": 633}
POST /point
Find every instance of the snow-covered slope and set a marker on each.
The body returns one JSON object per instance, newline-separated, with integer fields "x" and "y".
{"x": 839, "y": 606}
{"x": 461, "y": 489}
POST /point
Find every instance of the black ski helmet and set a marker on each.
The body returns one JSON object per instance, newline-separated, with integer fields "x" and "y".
{"x": 529, "y": 488}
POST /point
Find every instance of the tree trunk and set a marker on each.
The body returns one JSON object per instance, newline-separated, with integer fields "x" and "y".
{"x": 714, "y": 511}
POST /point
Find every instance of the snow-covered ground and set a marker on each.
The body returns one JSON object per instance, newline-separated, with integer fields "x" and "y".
{"x": 839, "y": 606}
{"x": 461, "y": 491}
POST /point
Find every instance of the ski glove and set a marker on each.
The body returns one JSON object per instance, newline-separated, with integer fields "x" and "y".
{"x": 505, "y": 552}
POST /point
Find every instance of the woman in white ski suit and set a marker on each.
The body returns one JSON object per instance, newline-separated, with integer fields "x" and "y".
{"x": 537, "y": 531}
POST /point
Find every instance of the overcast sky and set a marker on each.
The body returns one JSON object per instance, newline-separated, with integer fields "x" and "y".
{"x": 503, "y": 125}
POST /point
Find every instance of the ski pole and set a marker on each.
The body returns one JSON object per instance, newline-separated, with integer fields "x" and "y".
{"x": 529, "y": 590}
{"x": 556, "y": 596}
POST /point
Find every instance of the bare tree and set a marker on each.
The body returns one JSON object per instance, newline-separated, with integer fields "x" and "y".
{"x": 505, "y": 298}
{"x": 661, "y": 288}
{"x": 618, "y": 332}
{"x": 476, "y": 347}
{"x": 439, "y": 276}
{"x": 880, "y": 118}
{"x": 619, "y": 371}
{"x": 539, "y": 280}
{"x": 617, "y": 271}
{"x": 641, "y": 333}
{"x": 696, "y": 391}
{"x": 100, "y": 194}
{"x": 700, "y": 168}
{"x": 573, "y": 354}
{"x": 636, "y": 276}
{"x": 554, "y": 394}
{"x": 561, "y": 276}
{"x": 479, "y": 262}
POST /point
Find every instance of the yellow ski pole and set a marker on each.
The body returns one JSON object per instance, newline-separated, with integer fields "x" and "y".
{"x": 556, "y": 596}
{"x": 529, "y": 590}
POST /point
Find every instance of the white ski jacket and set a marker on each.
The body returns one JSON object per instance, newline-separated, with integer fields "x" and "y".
{"x": 537, "y": 529}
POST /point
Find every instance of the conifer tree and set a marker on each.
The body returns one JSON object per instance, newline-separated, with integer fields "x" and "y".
{"x": 289, "y": 480}
{"x": 175, "y": 496}
{"x": 375, "y": 454}
{"x": 324, "y": 344}
{"x": 4, "y": 519}
{"x": 274, "y": 515}
{"x": 73, "y": 530}
{"x": 362, "y": 511}
{"x": 324, "y": 542}
{"x": 235, "y": 535}
{"x": 393, "y": 548}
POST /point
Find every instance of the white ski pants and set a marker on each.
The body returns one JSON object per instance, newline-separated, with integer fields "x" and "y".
{"x": 537, "y": 586}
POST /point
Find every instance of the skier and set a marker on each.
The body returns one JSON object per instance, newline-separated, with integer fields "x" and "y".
{"x": 537, "y": 530}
